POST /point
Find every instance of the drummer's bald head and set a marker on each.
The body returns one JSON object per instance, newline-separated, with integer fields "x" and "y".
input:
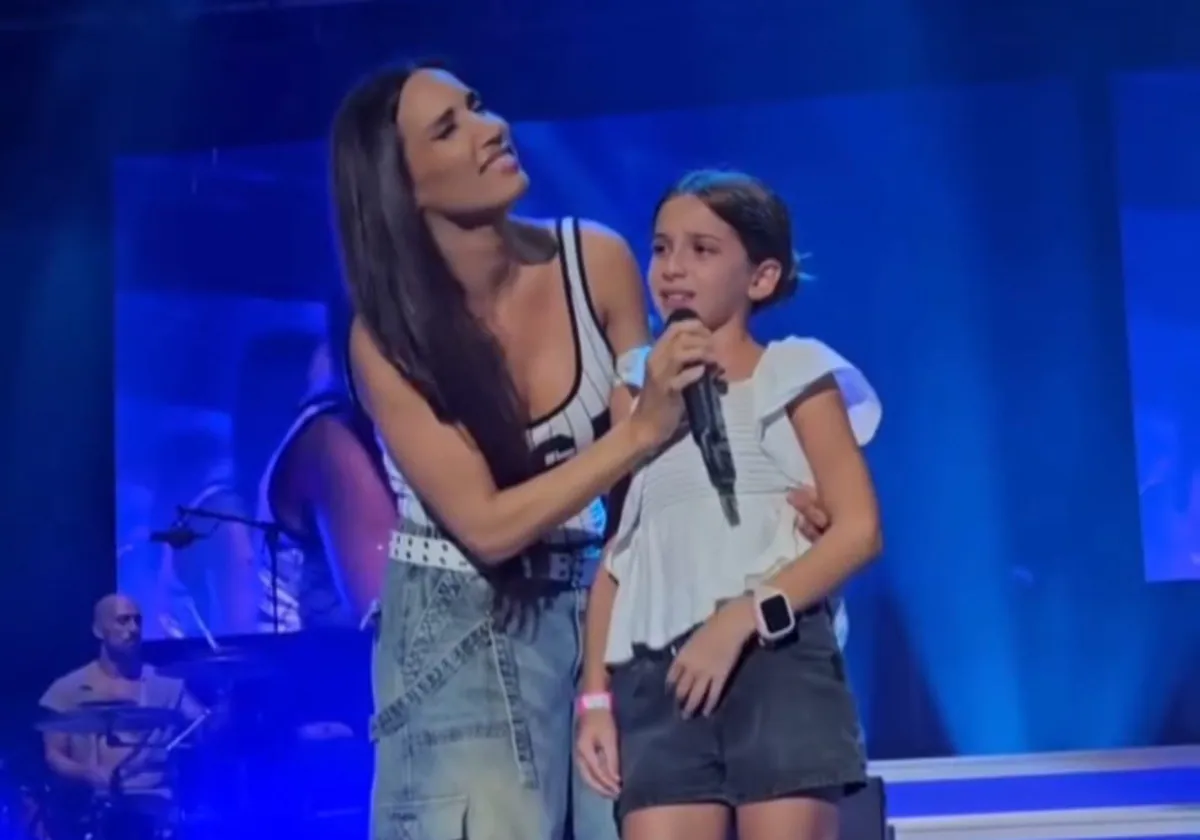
{"x": 117, "y": 621}
{"x": 110, "y": 605}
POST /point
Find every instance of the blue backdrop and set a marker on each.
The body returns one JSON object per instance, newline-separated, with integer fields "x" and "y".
{"x": 1158, "y": 130}
{"x": 954, "y": 251}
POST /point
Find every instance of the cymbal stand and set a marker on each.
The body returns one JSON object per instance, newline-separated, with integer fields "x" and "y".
{"x": 272, "y": 537}
{"x": 188, "y": 730}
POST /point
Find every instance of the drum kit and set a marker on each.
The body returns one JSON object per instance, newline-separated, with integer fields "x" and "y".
{"x": 149, "y": 796}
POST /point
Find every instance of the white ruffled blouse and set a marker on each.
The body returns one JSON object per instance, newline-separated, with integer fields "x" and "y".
{"x": 676, "y": 554}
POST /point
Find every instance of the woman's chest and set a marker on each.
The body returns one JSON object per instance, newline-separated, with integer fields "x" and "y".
{"x": 536, "y": 335}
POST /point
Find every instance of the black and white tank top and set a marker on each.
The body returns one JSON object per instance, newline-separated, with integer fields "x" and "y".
{"x": 573, "y": 425}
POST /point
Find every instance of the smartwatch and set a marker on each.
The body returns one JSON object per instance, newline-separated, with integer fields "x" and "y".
{"x": 773, "y": 614}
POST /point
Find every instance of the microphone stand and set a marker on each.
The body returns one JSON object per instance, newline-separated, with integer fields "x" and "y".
{"x": 271, "y": 536}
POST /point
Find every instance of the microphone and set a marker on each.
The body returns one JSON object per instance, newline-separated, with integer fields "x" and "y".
{"x": 177, "y": 536}
{"x": 702, "y": 401}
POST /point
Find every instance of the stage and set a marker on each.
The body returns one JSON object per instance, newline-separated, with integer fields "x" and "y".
{"x": 1052, "y": 796}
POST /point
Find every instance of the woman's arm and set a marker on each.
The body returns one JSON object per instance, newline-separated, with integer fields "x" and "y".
{"x": 238, "y": 578}
{"x": 443, "y": 465}
{"x": 352, "y": 506}
{"x": 446, "y": 469}
{"x": 616, "y": 288}
{"x": 242, "y": 583}
{"x": 854, "y": 536}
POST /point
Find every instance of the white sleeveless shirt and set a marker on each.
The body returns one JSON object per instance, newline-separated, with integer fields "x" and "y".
{"x": 580, "y": 419}
{"x": 676, "y": 555}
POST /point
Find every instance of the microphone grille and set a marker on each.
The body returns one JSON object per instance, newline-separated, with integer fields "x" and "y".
{"x": 683, "y": 314}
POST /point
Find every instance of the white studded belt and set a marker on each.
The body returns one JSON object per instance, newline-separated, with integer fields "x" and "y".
{"x": 437, "y": 553}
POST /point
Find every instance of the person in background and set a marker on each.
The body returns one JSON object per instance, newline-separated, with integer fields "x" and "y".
{"x": 133, "y": 765}
{"x": 207, "y": 586}
{"x": 324, "y": 487}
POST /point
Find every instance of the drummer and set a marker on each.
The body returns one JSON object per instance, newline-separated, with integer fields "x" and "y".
{"x": 128, "y": 762}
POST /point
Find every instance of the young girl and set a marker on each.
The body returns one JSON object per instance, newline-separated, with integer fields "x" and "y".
{"x": 728, "y": 688}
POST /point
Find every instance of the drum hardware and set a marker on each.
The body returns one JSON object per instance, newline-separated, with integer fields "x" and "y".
{"x": 109, "y": 717}
{"x": 212, "y": 781}
{"x": 219, "y": 667}
{"x": 272, "y": 538}
{"x": 120, "y": 814}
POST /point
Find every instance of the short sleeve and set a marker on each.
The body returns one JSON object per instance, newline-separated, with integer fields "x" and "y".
{"x": 57, "y": 698}
{"x": 790, "y": 367}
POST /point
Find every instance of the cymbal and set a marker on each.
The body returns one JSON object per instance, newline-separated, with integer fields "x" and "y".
{"x": 100, "y": 717}
{"x": 217, "y": 665}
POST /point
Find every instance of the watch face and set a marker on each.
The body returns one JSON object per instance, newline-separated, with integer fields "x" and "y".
{"x": 776, "y": 613}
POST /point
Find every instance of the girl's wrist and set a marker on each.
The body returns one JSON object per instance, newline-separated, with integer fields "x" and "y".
{"x": 593, "y": 701}
{"x": 594, "y": 680}
{"x": 742, "y": 613}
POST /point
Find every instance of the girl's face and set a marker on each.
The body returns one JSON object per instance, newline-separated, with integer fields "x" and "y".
{"x": 698, "y": 262}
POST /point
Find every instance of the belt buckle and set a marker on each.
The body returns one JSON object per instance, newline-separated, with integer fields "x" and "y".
{"x": 560, "y": 567}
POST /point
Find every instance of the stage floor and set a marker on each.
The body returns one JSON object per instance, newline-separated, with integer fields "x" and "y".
{"x": 1054, "y": 796}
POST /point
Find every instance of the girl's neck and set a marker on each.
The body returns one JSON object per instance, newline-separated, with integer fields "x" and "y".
{"x": 735, "y": 350}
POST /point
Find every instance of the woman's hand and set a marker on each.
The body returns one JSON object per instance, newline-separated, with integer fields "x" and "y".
{"x": 702, "y": 667}
{"x": 677, "y": 360}
{"x": 596, "y": 752}
{"x": 812, "y": 520}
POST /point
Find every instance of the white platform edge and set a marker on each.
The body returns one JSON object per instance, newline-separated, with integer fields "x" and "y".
{"x": 1083, "y": 824}
{"x": 1037, "y": 764}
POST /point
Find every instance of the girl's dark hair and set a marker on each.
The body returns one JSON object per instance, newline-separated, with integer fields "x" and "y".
{"x": 755, "y": 212}
{"x": 402, "y": 288}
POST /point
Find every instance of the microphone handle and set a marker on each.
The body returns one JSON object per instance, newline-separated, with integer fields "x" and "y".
{"x": 703, "y": 407}
{"x": 718, "y": 461}
{"x": 698, "y": 408}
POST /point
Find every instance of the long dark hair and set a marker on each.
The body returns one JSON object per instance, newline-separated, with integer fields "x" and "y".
{"x": 338, "y": 318}
{"x": 415, "y": 309}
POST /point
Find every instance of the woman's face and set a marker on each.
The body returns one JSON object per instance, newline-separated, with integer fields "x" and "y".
{"x": 460, "y": 156}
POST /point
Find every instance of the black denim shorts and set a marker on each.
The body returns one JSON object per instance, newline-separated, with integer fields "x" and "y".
{"x": 787, "y": 726}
